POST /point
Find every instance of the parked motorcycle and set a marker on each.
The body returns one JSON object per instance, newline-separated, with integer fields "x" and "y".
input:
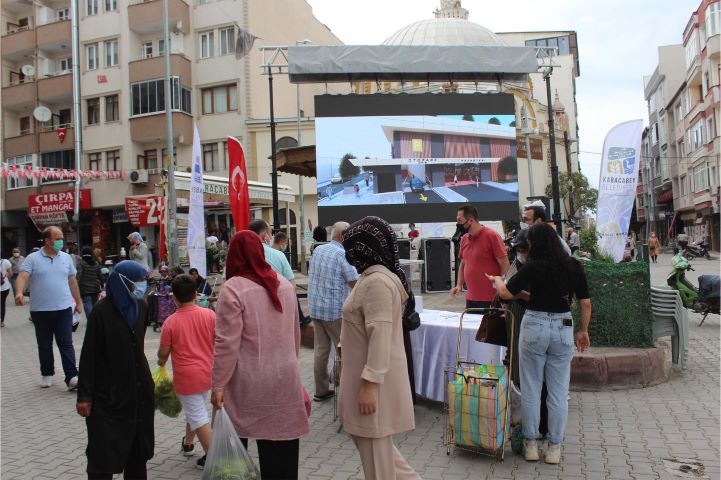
{"x": 705, "y": 298}
{"x": 696, "y": 250}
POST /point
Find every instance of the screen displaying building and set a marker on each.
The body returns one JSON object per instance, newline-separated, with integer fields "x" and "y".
{"x": 416, "y": 158}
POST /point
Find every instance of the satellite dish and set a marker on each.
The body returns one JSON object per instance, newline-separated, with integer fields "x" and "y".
{"x": 42, "y": 114}
{"x": 28, "y": 70}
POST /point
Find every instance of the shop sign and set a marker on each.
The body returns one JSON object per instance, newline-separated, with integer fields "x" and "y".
{"x": 58, "y": 202}
{"x": 144, "y": 211}
{"x": 536, "y": 148}
{"x": 119, "y": 216}
{"x": 216, "y": 188}
{"x": 49, "y": 218}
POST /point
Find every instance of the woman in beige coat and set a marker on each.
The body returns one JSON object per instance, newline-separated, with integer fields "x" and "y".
{"x": 375, "y": 401}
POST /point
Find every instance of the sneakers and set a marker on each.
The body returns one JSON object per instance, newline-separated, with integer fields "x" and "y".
{"x": 46, "y": 382}
{"x": 553, "y": 453}
{"x": 530, "y": 450}
{"x": 200, "y": 463}
{"x": 187, "y": 450}
{"x": 73, "y": 384}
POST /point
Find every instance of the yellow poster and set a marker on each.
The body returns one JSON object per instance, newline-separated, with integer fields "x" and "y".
{"x": 417, "y": 145}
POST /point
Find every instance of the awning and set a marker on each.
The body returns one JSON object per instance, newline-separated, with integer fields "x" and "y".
{"x": 297, "y": 160}
{"x": 399, "y": 63}
{"x": 688, "y": 215}
{"x": 219, "y": 186}
{"x": 665, "y": 197}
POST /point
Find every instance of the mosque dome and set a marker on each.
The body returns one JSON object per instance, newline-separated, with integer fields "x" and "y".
{"x": 449, "y": 27}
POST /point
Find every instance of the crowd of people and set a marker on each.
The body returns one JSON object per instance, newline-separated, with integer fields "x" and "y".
{"x": 243, "y": 353}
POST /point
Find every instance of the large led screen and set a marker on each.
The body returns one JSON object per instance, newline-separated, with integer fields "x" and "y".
{"x": 415, "y": 157}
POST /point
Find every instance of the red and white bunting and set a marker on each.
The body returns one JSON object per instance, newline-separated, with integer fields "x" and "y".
{"x": 44, "y": 173}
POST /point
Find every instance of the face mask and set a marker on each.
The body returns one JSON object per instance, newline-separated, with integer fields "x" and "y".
{"x": 57, "y": 245}
{"x": 139, "y": 289}
{"x": 16, "y": 254}
{"x": 524, "y": 226}
{"x": 459, "y": 225}
{"x": 104, "y": 271}
{"x": 522, "y": 257}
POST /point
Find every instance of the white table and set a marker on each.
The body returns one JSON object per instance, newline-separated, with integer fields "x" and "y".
{"x": 434, "y": 349}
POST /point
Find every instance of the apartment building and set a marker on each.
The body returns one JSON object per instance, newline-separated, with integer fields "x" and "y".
{"x": 123, "y": 103}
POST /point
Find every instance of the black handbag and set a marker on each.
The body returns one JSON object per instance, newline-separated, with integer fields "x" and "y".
{"x": 493, "y": 326}
{"x": 411, "y": 319}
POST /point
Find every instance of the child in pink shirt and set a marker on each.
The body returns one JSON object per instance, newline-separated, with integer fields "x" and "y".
{"x": 189, "y": 335}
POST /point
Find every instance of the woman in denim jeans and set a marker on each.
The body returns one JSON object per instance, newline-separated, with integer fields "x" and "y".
{"x": 546, "y": 342}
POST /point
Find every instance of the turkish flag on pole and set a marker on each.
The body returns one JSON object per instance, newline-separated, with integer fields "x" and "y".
{"x": 238, "y": 185}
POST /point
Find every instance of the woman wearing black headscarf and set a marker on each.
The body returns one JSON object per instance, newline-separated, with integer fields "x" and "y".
{"x": 375, "y": 401}
{"x": 115, "y": 388}
{"x": 90, "y": 281}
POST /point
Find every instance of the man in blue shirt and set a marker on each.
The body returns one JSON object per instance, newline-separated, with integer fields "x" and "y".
{"x": 53, "y": 288}
{"x": 275, "y": 258}
{"x": 330, "y": 280}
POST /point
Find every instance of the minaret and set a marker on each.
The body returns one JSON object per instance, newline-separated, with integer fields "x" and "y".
{"x": 451, "y": 9}
{"x": 559, "y": 111}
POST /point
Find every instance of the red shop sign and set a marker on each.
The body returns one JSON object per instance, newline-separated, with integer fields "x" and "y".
{"x": 58, "y": 202}
{"x": 145, "y": 211}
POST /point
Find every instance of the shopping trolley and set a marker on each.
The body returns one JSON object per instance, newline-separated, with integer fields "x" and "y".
{"x": 477, "y": 401}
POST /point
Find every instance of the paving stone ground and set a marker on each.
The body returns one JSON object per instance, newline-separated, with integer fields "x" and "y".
{"x": 610, "y": 435}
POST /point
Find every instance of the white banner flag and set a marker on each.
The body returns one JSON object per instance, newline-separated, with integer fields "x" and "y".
{"x": 617, "y": 186}
{"x": 196, "y": 215}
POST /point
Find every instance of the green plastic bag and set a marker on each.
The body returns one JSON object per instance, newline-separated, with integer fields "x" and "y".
{"x": 166, "y": 401}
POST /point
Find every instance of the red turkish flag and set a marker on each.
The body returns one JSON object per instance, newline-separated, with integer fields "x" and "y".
{"x": 61, "y": 132}
{"x": 238, "y": 185}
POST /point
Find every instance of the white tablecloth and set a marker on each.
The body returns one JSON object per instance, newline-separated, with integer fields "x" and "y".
{"x": 434, "y": 349}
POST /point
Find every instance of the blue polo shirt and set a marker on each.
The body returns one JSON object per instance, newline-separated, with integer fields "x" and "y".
{"x": 49, "y": 288}
{"x": 278, "y": 262}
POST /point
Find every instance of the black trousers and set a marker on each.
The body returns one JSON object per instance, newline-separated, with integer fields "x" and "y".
{"x": 135, "y": 468}
{"x": 477, "y": 304}
{"x": 3, "y": 299}
{"x": 278, "y": 460}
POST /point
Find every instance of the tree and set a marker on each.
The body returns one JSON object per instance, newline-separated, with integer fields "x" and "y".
{"x": 575, "y": 188}
{"x": 347, "y": 170}
{"x": 589, "y": 240}
{"x": 494, "y": 121}
{"x": 508, "y": 166}
{"x": 512, "y": 124}
{"x": 468, "y": 117}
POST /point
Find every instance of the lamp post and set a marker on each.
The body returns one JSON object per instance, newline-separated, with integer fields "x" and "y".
{"x": 301, "y": 230}
{"x": 77, "y": 111}
{"x": 171, "y": 229}
{"x": 554, "y": 165}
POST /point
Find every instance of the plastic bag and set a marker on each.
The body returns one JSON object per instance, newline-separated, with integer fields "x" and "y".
{"x": 166, "y": 401}
{"x": 227, "y": 458}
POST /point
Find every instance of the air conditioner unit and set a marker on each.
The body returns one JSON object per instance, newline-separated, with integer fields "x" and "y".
{"x": 138, "y": 176}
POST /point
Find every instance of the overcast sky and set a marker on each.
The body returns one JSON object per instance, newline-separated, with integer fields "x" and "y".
{"x": 617, "y": 44}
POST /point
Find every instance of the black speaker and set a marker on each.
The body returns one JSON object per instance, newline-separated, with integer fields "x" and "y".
{"x": 437, "y": 265}
{"x": 404, "y": 249}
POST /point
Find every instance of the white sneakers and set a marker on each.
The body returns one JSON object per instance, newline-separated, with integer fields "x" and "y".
{"x": 46, "y": 382}
{"x": 530, "y": 450}
{"x": 73, "y": 384}
{"x": 551, "y": 454}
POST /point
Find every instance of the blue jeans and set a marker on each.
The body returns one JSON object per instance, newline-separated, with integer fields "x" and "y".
{"x": 60, "y": 324}
{"x": 89, "y": 302}
{"x": 545, "y": 349}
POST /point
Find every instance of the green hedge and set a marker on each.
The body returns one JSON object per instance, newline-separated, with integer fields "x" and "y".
{"x": 621, "y": 298}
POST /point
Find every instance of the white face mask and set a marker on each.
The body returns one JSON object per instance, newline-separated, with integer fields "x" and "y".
{"x": 524, "y": 226}
{"x": 522, "y": 257}
{"x": 16, "y": 254}
{"x": 137, "y": 292}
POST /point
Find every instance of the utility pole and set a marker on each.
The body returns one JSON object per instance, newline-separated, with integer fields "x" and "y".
{"x": 171, "y": 230}
{"x": 554, "y": 164}
{"x": 77, "y": 111}
{"x": 301, "y": 230}
{"x": 273, "y": 162}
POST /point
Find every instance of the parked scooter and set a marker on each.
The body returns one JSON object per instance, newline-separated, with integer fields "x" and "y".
{"x": 705, "y": 298}
{"x": 696, "y": 250}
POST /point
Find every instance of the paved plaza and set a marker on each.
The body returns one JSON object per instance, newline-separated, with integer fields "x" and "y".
{"x": 611, "y": 435}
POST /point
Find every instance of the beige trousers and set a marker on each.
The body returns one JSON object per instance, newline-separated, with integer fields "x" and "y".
{"x": 382, "y": 460}
{"x": 326, "y": 336}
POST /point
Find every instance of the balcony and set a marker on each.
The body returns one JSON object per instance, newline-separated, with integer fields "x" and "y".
{"x": 154, "y": 68}
{"x": 18, "y": 46}
{"x": 56, "y": 89}
{"x": 55, "y": 37}
{"x": 49, "y": 141}
{"x": 151, "y": 128}
{"x": 20, "y": 145}
{"x": 146, "y": 17}
{"x": 713, "y": 46}
{"x": 18, "y": 97}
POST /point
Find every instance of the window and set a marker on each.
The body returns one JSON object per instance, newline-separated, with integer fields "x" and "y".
{"x": 652, "y": 103}
{"x": 147, "y": 49}
{"x": 691, "y": 49}
{"x": 93, "y": 105}
{"x": 25, "y": 125}
{"x": 210, "y": 156}
{"x": 94, "y": 160}
{"x": 686, "y": 100}
{"x": 678, "y": 113}
{"x": 65, "y": 65}
{"x": 562, "y": 43}
{"x": 21, "y": 161}
{"x": 695, "y": 136}
{"x": 706, "y": 84}
{"x": 220, "y": 99}
{"x": 65, "y": 118}
{"x": 91, "y": 52}
{"x": 91, "y": 7}
{"x": 111, "y": 53}
{"x": 286, "y": 142}
{"x": 112, "y": 159}
{"x": 161, "y": 46}
{"x": 654, "y": 134}
{"x": 149, "y": 97}
{"x": 149, "y": 160}
{"x": 62, "y": 14}
{"x": 225, "y": 155}
{"x": 111, "y": 5}
{"x": 682, "y": 185}
{"x": 64, "y": 159}
{"x": 709, "y": 130}
{"x": 713, "y": 19}
{"x": 227, "y": 40}
{"x": 112, "y": 113}
{"x": 700, "y": 178}
{"x": 712, "y": 176}
{"x": 681, "y": 149}
{"x": 662, "y": 130}
{"x": 207, "y": 44}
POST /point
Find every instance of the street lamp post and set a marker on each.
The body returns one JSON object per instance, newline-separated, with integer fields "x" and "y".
{"x": 77, "y": 111}
{"x": 301, "y": 230}
{"x": 554, "y": 163}
{"x": 273, "y": 161}
{"x": 171, "y": 229}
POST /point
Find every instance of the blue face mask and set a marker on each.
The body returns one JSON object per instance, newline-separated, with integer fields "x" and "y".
{"x": 57, "y": 245}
